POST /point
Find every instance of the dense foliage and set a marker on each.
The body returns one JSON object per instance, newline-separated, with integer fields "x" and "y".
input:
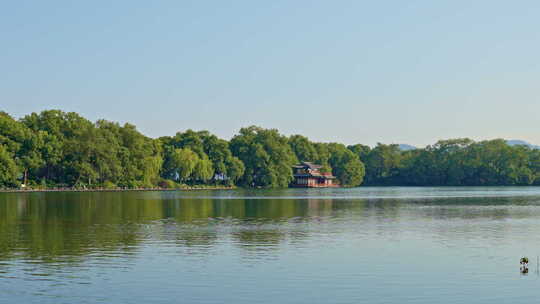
{"x": 54, "y": 148}
{"x": 455, "y": 162}
{"x": 267, "y": 157}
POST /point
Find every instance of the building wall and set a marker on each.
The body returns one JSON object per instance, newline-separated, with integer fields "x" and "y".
{"x": 312, "y": 182}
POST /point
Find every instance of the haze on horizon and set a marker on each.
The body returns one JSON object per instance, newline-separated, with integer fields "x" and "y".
{"x": 347, "y": 71}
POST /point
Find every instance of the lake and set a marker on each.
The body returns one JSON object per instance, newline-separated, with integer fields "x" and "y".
{"x": 360, "y": 245}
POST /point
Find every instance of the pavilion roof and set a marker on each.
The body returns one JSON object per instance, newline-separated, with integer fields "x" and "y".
{"x": 309, "y": 165}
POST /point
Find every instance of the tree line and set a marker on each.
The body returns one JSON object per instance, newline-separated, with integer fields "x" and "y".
{"x": 454, "y": 162}
{"x": 58, "y": 149}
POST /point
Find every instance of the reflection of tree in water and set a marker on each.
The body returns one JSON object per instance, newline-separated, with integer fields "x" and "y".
{"x": 496, "y": 208}
{"x": 387, "y": 208}
{"x": 74, "y": 227}
{"x": 202, "y": 238}
{"x": 474, "y": 220}
{"x": 470, "y": 213}
{"x": 70, "y": 225}
{"x": 247, "y": 210}
{"x": 274, "y": 209}
{"x": 465, "y": 212}
{"x": 253, "y": 224}
{"x": 53, "y": 227}
{"x": 259, "y": 238}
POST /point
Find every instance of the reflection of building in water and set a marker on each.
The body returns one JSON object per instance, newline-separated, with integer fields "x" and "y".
{"x": 318, "y": 207}
{"x": 308, "y": 175}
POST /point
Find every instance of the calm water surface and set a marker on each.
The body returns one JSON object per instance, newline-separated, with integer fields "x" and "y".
{"x": 365, "y": 245}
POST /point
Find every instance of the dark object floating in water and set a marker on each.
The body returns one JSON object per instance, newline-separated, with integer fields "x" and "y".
{"x": 524, "y": 262}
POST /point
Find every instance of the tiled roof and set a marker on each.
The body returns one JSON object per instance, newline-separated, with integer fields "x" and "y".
{"x": 307, "y": 165}
{"x": 313, "y": 171}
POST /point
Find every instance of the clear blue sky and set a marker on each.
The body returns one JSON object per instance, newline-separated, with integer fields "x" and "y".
{"x": 347, "y": 71}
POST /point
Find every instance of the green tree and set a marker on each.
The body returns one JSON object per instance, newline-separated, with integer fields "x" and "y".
{"x": 180, "y": 163}
{"x": 266, "y": 155}
{"x": 346, "y": 165}
{"x": 137, "y": 155}
{"x": 383, "y": 164}
{"x": 494, "y": 162}
{"x": 22, "y": 143}
{"x": 208, "y": 147}
{"x": 235, "y": 170}
{"x": 303, "y": 148}
{"x": 59, "y": 148}
{"x": 438, "y": 164}
{"x": 8, "y": 168}
{"x": 75, "y": 151}
{"x": 68, "y": 139}
{"x": 361, "y": 150}
{"x": 203, "y": 170}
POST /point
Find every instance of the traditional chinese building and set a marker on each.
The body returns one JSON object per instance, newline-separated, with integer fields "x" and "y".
{"x": 308, "y": 175}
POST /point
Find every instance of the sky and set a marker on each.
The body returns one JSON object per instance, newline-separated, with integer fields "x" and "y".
{"x": 336, "y": 71}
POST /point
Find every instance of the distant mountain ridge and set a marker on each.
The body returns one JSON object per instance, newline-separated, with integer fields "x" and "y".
{"x": 518, "y": 142}
{"x": 406, "y": 147}
{"x": 511, "y": 142}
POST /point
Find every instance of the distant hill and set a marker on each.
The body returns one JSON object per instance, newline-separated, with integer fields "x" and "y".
{"x": 511, "y": 142}
{"x": 405, "y": 147}
{"x": 517, "y": 142}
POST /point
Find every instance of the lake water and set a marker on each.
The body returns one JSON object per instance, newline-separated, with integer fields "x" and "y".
{"x": 363, "y": 245}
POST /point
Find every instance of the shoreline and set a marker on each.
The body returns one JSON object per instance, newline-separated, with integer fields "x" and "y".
{"x": 232, "y": 188}
{"x": 112, "y": 189}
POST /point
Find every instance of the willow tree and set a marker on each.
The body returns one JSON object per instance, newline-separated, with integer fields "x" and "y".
{"x": 218, "y": 164}
{"x": 203, "y": 170}
{"x": 8, "y": 168}
{"x": 180, "y": 163}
